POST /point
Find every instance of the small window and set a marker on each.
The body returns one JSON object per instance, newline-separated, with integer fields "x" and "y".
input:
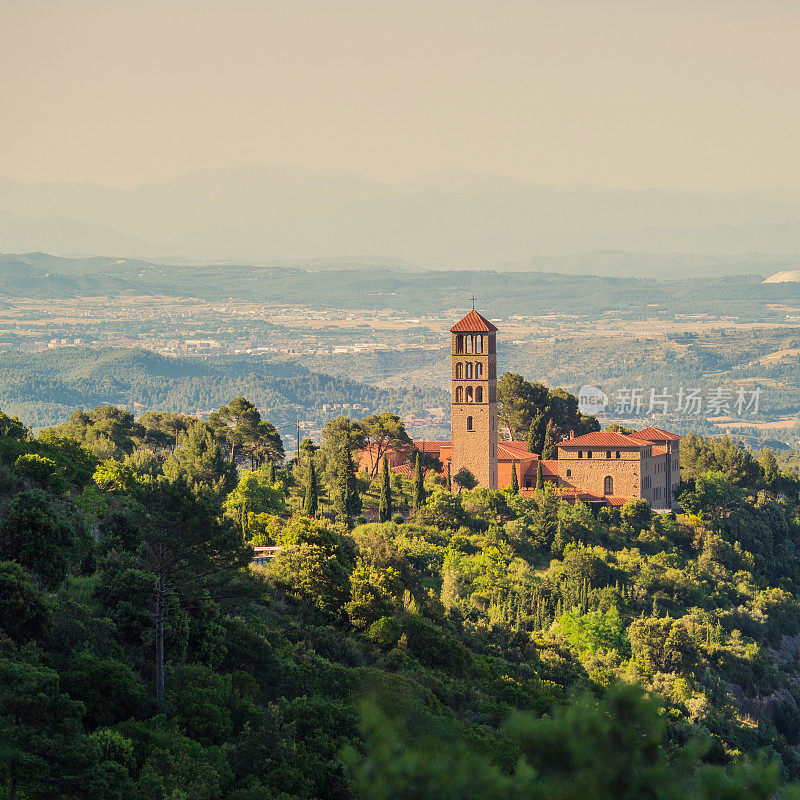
{"x": 569, "y": 473}
{"x": 479, "y": 344}
{"x": 527, "y": 483}
{"x": 588, "y": 454}
{"x": 608, "y": 454}
{"x": 469, "y": 394}
{"x": 478, "y": 394}
{"x": 459, "y": 394}
{"x": 468, "y": 371}
{"x": 478, "y": 369}
{"x": 459, "y": 343}
{"x": 468, "y": 344}
{"x": 608, "y": 485}
{"x": 580, "y": 453}
{"x": 459, "y": 371}
{"x": 469, "y": 423}
{"x": 617, "y": 453}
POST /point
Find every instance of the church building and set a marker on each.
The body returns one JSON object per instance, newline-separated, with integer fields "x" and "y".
{"x": 603, "y": 466}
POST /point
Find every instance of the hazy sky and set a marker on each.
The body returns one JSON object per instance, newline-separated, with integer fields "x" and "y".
{"x": 630, "y": 93}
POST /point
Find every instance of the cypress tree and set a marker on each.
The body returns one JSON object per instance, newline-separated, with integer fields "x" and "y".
{"x": 272, "y": 476}
{"x": 449, "y": 478}
{"x": 514, "y": 479}
{"x": 418, "y": 491}
{"x": 539, "y": 478}
{"x": 353, "y": 501}
{"x": 536, "y": 434}
{"x": 385, "y": 503}
{"x": 311, "y": 503}
{"x": 549, "y": 449}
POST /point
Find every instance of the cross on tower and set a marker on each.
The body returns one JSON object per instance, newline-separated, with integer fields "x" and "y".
{"x": 473, "y": 302}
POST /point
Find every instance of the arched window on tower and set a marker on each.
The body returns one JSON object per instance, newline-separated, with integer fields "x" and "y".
{"x": 478, "y": 394}
{"x": 469, "y": 423}
{"x": 608, "y": 485}
{"x": 459, "y": 394}
{"x": 478, "y": 369}
{"x": 459, "y": 343}
{"x": 469, "y": 394}
{"x": 468, "y": 344}
{"x": 459, "y": 371}
{"x": 479, "y": 344}
{"x": 468, "y": 371}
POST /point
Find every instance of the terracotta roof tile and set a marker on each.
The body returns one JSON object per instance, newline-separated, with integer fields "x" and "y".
{"x": 473, "y": 322}
{"x": 656, "y": 435}
{"x": 514, "y": 451}
{"x": 429, "y": 445}
{"x": 604, "y": 439}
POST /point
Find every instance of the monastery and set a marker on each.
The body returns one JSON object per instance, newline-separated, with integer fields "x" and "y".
{"x": 602, "y": 466}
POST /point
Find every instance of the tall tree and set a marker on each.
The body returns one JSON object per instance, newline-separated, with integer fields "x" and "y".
{"x": 418, "y": 488}
{"x": 199, "y": 460}
{"x": 162, "y": 428}
{"x": 549, "y": 451}
{"x": 449, "y": 477}
{"x": 188, "y": 549}
{"x": 339, "y": 437}
{"x": 514, "y": 479}
{"x": 265, "y": 446}
{"x": 539, "y": 477}
{"x": 272, "y": 473}
{"x": 236, "y": 424}
{"x": 311, "y": 501}
{"x": 385, "y": 503}
{"x": 536, "y": 433}
{"x": 384, "y": 432}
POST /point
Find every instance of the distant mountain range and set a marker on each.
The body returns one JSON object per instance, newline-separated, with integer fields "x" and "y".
{"x": 452, "y": 218}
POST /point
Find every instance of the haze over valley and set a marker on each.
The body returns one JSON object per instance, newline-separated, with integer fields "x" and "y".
{"x": 448, "y": 219}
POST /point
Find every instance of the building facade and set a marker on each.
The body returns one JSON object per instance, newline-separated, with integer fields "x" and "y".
{"x": 473, "y": 401}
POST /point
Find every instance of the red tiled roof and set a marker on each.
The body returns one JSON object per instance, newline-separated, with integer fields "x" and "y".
{"x": 471, "y": 323}
{"x": 430, "y": 446}
{"x": 613, "y": 500}
{"x": 604, "y": 439}
{"x": 406, "y": 470}
{"x": 549, "y": 467}
{"x": 514, "y": 451}
{"x": 658, "y": 451}
{"x": 656, "y": 435}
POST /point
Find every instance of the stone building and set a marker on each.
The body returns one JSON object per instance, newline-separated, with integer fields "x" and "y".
{"x": 603, "y": 466}
{"x": 473, "y": 401}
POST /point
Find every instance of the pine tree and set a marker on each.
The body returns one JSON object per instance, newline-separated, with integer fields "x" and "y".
{"x": 385, "y": 503}
{"x": 514, "y": 479}
{"x": 311, "y": 502}
{"x": 539, "y": 478}
{"x": 418, "y": 491}
{"x": 449, "y": 478}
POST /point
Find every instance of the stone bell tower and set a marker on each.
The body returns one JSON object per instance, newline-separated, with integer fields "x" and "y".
{"x": 473, "y": 410}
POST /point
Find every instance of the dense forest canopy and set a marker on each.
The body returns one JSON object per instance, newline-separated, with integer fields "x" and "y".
{"x": 44, "y": 388}
{"x": 472, "y": 644}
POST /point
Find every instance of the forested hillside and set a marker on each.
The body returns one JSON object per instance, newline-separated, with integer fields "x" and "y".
{"x": 540, "y": 289}
{"x": 44, "y": 388}
{"x": 408, "y": 639}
